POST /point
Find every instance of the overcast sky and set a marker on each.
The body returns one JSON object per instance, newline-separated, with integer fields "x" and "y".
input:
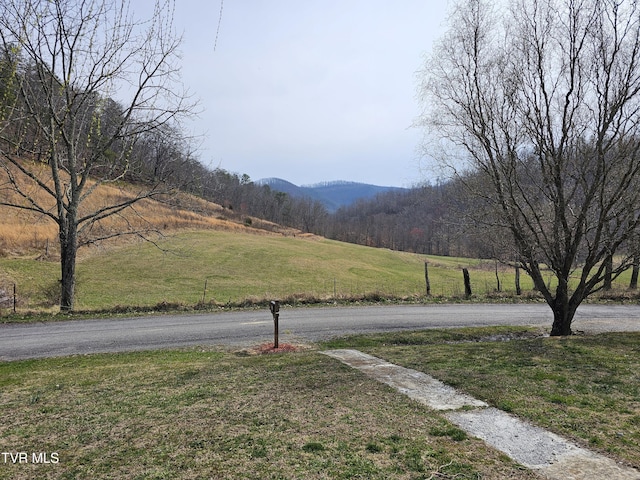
{"x": 309, "y": 90}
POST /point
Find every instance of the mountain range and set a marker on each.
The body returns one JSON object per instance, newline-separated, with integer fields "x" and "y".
{"x": 332, "y": 195}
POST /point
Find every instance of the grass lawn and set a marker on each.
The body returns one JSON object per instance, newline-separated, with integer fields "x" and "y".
{"x": 203, "y": 413}
{"x": 196, "y": 414}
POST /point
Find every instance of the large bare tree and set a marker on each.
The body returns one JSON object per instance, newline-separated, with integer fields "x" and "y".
{"x": 536, "y": 105}
{"x": 82, "y": 81}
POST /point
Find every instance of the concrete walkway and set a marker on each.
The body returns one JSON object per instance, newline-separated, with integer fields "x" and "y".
{"x": 550, "y": 455}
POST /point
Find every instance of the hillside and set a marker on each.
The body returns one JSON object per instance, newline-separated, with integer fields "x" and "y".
{"x": 239, "y": 267}
{"x": 203, "y": 251}
{"x": 209, "y": 254}
{"x": 24, "y": 232}
{"x": 332, "y": 195}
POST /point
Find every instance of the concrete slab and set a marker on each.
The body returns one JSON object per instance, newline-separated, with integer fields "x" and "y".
{"x": 549, "y": 454}
{"x": 416, "y": 385}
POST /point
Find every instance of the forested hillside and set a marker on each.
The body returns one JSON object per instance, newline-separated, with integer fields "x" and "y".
{"x": 418, "y": 220}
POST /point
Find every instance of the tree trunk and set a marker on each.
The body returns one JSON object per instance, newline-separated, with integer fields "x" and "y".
{"x": 634, "y": 273}
{"x": 562, "y": 318}
{"x": 518, "y": 288}
{"x": 68, "y": 250}
{"x": 564, "y": 309}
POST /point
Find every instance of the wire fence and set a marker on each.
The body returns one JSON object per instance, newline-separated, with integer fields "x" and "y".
{"x": 450, "y": 285}
{"x": 334, "y": 288}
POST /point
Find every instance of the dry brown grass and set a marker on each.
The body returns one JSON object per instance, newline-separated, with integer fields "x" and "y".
{"x": 24, "y": 232}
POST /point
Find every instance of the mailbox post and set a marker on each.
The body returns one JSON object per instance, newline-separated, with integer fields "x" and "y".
{"x": 274, "y": 306}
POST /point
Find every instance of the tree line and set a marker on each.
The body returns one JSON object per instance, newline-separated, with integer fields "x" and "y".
{"x": 424, "y": 219}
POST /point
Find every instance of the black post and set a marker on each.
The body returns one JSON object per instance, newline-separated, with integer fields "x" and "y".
{"x": 608, "y": 273}
{"x": 274, "y": 306}
{"x": 426, "y": 279}
{"x": 467, "y": 282}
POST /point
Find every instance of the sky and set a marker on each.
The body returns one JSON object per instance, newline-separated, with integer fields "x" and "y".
{"x": 309, "y": 90}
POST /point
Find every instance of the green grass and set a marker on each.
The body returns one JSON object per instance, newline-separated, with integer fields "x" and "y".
{"x": 242, "y": 268}
{"x": 239, "y": 266}
{"x": 198, "y": 413}
{"x": 36, "y": 282}
{"x": 586, "y": 388}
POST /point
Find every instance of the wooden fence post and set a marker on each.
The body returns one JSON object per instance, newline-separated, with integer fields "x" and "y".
{"x": 633, "y": 284}
{"x": 204, "y": 294}
{"x": 467, "y": 282}
{"x": 608, "y": 273}
{"x": 426, "y": 279}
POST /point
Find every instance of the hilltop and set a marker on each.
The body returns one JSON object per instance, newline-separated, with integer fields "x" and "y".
{"x": 332, "y": 195}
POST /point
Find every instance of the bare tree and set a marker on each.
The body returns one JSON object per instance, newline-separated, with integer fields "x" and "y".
{"x": 86, "y": 81}
{"x": 542, "y": 100}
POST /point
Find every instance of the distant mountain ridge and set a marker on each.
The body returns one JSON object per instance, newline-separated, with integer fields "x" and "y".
{"x": 332, "y": 195}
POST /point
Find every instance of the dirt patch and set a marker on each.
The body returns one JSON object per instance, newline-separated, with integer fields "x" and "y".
{"x": 268, "y": 348}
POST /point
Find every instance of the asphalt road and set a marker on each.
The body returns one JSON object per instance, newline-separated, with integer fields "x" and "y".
{"x": 243, "y": 328}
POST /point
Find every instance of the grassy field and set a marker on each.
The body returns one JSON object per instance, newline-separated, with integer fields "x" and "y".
{"x": 208, "y": 245}
{"x": 236, "y": 266}
{"x": 202, "y": 413}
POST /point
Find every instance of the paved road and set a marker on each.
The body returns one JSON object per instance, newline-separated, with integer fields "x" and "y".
{"x": 22, "y": 341}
